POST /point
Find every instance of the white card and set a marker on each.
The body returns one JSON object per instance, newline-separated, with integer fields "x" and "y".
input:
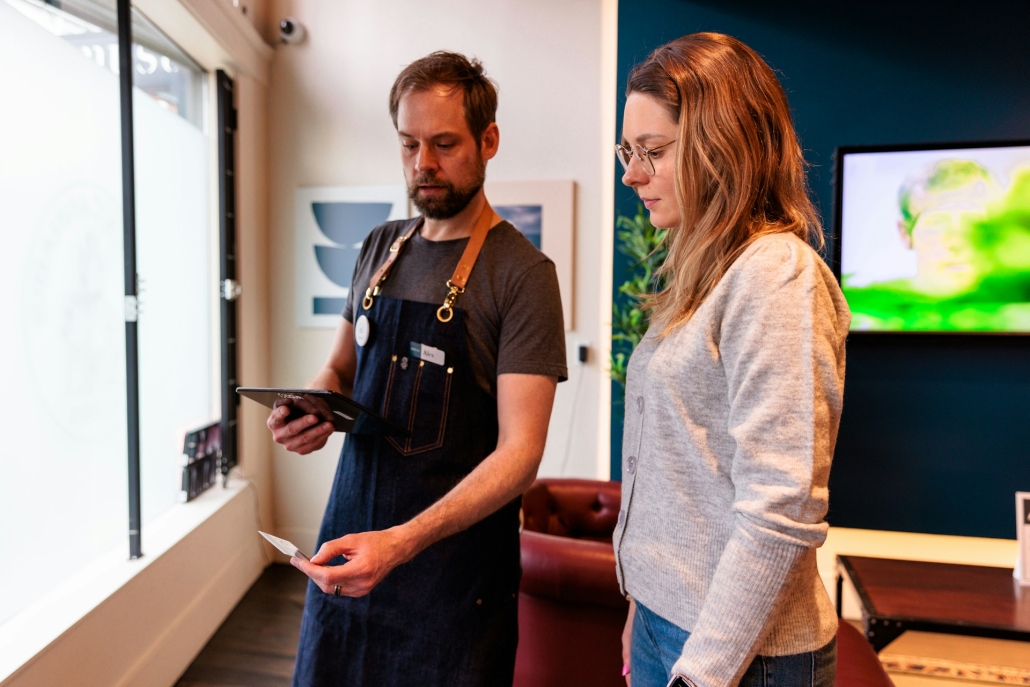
{"x": 286, "y": 547}
{"x": 1022, "y": 571}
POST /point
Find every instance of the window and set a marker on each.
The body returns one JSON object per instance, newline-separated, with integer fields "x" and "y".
{"x": 63, "y": 474}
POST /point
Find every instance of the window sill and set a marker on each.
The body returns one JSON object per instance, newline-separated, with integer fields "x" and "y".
{"x": 123, "y": 615}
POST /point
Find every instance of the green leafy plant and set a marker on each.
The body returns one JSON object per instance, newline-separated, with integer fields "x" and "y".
{"x": 644, "y": 245}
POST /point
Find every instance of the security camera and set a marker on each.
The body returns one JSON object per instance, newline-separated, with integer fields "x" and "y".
{"x": 291, "y": 31}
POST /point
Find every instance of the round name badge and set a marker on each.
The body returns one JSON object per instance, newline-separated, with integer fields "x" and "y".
{"x": 361, "y": 331}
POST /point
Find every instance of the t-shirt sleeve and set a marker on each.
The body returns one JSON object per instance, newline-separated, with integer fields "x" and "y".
{"x": 359, "y": 280}
{"x": 532, "y": 338}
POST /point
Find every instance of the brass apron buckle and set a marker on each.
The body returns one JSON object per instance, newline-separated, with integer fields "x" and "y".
{"x": 446, "y": 311}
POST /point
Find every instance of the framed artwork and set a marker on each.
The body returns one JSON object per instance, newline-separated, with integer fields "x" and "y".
{"x": 331, "y": 224}
{"x": 544, "y": 211}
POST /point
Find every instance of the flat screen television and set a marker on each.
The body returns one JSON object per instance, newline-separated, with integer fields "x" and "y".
{"x": 935, "y": 238}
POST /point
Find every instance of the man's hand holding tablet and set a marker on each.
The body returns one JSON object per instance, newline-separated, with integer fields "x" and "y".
{"x": 302, "y": 435}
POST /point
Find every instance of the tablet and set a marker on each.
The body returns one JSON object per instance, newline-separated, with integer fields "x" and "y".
{"x": 346, "y": 414}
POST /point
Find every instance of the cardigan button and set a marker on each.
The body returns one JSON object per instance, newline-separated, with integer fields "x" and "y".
{"x": 640, "y": 404}
{"x": 631, "y": 465}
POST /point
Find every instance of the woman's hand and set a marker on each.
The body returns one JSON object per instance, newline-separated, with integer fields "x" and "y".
{"x": 627, "y": 641}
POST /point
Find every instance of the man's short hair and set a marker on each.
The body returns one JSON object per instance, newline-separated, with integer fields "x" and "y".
{"x": 457, "y": 71}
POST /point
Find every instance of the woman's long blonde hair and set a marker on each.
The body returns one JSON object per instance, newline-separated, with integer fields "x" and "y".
{"x": 740, "y": 172}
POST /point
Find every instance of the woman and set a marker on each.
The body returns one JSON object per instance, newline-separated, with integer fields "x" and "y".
{"x": 733, "y": 398}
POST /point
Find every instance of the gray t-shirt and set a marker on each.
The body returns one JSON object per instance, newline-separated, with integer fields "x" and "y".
{"x": 512, "y": 303}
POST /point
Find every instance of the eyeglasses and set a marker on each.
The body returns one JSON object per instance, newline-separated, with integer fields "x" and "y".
{"x": 645, "y": 155}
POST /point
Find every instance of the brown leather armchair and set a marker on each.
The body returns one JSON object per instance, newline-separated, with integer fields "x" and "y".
{"x": 571, "y": 612}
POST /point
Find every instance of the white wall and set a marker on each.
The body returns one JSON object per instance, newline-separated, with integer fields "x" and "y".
{"x": 329, "y": 126}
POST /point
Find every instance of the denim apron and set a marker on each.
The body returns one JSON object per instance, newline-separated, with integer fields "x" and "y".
{"x": 448, "y": 616}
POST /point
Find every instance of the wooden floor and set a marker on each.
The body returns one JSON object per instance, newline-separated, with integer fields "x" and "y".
{"x": 257, "y": 644}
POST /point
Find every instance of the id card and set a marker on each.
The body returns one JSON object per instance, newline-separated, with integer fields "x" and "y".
{"x": 286, "y": 547}
{"x": 427, "y": 353}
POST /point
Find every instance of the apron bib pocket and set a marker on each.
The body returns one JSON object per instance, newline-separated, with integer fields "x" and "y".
{"x": 418, "y": 395}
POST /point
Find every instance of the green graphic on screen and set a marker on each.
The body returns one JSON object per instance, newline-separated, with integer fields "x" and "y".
{"x": 937, "y": 241}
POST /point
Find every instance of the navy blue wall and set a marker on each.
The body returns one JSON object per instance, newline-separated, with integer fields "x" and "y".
{"x": 936, "y": 430}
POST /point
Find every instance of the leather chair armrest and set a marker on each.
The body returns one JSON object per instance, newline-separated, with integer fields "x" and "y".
{"x": 857, "y": 663}
{"x": 576, "y": 508}
{"x": 570, "y": 570}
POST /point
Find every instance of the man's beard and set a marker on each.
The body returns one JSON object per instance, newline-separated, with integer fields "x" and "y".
{"x": 453, "y": 200}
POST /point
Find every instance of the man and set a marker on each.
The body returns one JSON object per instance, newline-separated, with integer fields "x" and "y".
{"x": 417, "y": 572}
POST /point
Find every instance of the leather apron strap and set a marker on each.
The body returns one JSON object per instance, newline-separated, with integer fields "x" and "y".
{"x": 383, "y": 272}
{"x": 456, "y": 284}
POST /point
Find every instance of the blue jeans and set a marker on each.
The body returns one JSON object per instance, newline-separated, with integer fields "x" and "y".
{"x": 657, "y": 644}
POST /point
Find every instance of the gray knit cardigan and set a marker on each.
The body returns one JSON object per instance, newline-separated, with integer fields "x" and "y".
{"x": 730, "y": 426}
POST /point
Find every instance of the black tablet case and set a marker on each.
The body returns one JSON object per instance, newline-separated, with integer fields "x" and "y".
{"x": 346, "y": 414}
